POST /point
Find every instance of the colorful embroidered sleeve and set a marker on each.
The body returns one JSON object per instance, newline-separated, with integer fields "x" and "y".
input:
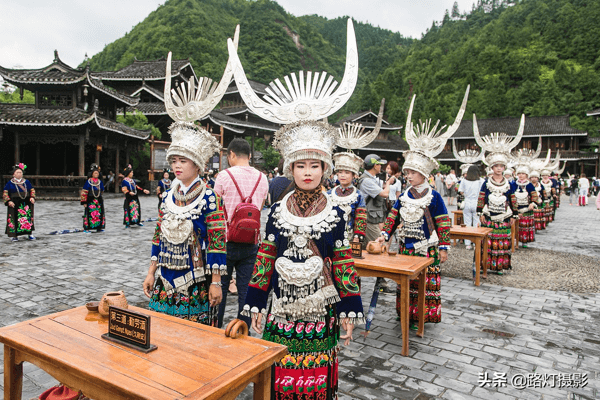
{"x": 216, "y": 251}
{"x": 391, "y": 222}
{"x": 264, "y": 266}
{"x": 360, "y": 222}
{"x": 84, "y": 195}
{"x": 346, "y": 282}
{"x": 514, "y": 205}
{"x": 442, "y": 221}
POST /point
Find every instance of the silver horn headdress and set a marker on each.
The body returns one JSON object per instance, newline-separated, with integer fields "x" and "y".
{"x": 353, "y": 136}
{"x": 466, "y": 157}
{"x": 192, "y": 101}
{"x": 498, "y": 145}
{"x": 551, "y": 166}
{"x": 426, "y": 142}
{"x": 560, "y": 171}
{"x": 522, "y": 158}
{"x": 537, "y": 165}
{"x": 299, "y": 104}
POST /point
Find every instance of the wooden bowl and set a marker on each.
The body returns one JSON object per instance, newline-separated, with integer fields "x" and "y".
{"x": 92, "y": 306}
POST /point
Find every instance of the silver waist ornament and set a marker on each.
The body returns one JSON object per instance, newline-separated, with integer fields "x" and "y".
{"x": 411, "y": 215}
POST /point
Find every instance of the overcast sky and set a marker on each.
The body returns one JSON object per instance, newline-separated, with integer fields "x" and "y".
{"x": 33, "y": 29}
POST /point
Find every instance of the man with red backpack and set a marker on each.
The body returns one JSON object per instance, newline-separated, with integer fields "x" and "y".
{"x": 244, "y": 190}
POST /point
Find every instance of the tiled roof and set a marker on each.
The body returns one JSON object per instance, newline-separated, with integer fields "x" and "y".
{"x": 394, "y": 143}
{"x": 121, "y": 128}
{"x": 154, "y": 92}
{"x": 97, "y": 84}
{"x": 534, "y": 126}
{"x": 220, "y": 118}
{"x": 258, "y": 87}
{"x": 56, "y": 73}
{"x": 27, "y": 114}
{"x": 235, "y": 110}
{"x": 356, "y": 117}
{"x": 157, "y": 108}
{"x": 148, "y": 70}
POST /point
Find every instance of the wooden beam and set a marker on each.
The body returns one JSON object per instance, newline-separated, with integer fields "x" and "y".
{"x": 81, "y": 154}
{"x": 117, "y": 169}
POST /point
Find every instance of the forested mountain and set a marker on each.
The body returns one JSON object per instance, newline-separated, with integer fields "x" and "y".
{"x": 538, "y": 57}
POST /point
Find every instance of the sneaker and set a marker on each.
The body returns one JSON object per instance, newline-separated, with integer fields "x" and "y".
{"x": 140, "y": 224}
{"x": 31, "y": 237}
{"x": 100, "y": 230}
{"x": 524, "y": 246}
{"x": 86, "y": 231}
{"x": 15, "y": 239}
{"x": 500, "y": 273}
{"x": 414, "y": 327}
{"x": 127, "y": 226}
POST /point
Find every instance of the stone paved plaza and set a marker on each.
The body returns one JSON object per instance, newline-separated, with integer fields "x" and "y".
{"x": 515, "y": 337}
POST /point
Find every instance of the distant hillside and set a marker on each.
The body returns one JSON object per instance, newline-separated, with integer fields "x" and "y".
{"x": 273, "y": 43}
{"x": 538, "y": 57}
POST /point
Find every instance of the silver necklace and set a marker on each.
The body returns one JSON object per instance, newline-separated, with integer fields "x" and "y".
{"x": 182, "y": 210}
{"x": 299, "y": 230}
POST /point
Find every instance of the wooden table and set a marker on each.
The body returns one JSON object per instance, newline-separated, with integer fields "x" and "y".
{"x": 400, "y": 269}
{"x": 514, "y": 229}
{"x": 479, "y": 237}
{"x": 458, "y": 220}
{"x": 192, "y": 361}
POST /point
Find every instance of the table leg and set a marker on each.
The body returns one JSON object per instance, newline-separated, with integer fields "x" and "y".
{"x": 13, "y": 375}
{"x": 404, "y": 313}
{"x": 262, "y": 385}
{"x": 478, "y": 258}
{"x": 485, "y": 257}
{"x": 515, "y": 236}
{"x": 421, "y": 303}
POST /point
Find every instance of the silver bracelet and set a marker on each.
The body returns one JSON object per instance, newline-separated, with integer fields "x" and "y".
{"x": 153, "y": 258}
{"x": 217, "y": 283}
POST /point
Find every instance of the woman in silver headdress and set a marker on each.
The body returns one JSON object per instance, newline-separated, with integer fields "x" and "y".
{"x": 188, "y": 248}
{"x": 497, "y": 204}
{"x": 420, "y": 215}
{"x": 347, "y": 166}
{"x": 305, "y": 258}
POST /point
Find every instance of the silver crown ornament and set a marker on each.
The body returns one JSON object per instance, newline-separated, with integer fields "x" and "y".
{"x": 193, "y": 101}
{"x": 353, "y": 136}
{"x": 300, "y": 103}
{"x": 497, "y": 144}
{"x": 426, "y": 142}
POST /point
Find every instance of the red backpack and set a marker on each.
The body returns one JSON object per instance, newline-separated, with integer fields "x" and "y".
{"x": 244, "y": 226}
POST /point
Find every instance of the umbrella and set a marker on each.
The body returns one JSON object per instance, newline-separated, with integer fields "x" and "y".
{"x": 371, "y": 313}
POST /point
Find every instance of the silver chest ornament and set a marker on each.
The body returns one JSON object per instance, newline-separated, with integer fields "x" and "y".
{"x": 522, "y": 196}
{"x": 411, "y": 215}
{"x": 496, "y": 198}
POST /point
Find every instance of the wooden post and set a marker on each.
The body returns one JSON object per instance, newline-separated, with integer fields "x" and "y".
{"x": 97, "y": 156}
{"x": 17, "y": 152}
{"x": 252, "y": 150}
{"x": 37, "y": 158}
{"x": 151, "y": 172}
{"x": 222, "y": 152}
{"x": 81, "y": 155}
{"x": 117, "y": 169}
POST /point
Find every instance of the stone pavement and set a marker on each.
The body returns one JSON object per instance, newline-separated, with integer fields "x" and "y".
{"x": 506, "y": 334}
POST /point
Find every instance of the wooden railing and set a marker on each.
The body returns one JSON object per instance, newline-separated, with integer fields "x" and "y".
{"x": 51, "y": 182}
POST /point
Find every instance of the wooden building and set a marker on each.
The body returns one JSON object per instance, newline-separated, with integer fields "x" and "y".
{"x": 555, "y": 132}
{"x": 71, "y": 125}
{"x": 389, "y": 144}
